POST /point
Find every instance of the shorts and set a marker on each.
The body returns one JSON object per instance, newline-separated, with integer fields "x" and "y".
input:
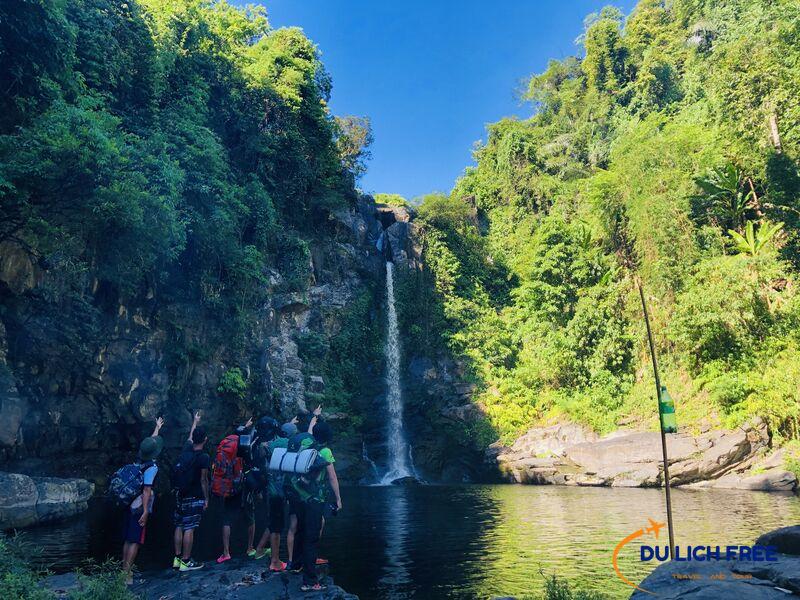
{"x": 188, "y": 513}
{"x": 277, "y": 508}
{"x": 132, "y": 532}
{"x": 232, "y": 506}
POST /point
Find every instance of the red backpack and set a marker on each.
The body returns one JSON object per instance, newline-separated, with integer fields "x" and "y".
{"x": 226, "y": 474}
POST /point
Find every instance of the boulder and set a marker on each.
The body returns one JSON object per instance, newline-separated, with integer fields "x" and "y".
{"x": 237, "y": 579}
{"x": 731, "y": 579}
{"x": 787, "y": 540}
{"x": 772, "y": 480}
{"x": 634, "y": 459}
{"x": 26, "y": 501}
{"x": 553, "y": 440}
{"x": 707, "y": 581}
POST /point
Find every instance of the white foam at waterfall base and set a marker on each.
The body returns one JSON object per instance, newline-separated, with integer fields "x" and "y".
{"x": 396, "y": 445}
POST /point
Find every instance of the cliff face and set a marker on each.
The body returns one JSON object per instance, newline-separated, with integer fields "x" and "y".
{"x": 82, "y": 378}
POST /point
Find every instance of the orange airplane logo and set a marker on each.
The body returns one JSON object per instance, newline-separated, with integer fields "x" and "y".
{"x": 653, "y": 528}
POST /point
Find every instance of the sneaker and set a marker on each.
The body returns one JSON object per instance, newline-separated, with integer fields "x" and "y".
{"x": 190, "y": 565}
{"x": 262, "y": 553}
{"x": 223, "y": 557}
{"x": 279, "y": 569}
{"x": 294, "y": 566}
{"x": 317, "y": 587}
{"x": 176, "y": 562}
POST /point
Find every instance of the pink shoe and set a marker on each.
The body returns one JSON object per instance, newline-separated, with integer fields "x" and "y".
{"x": 222, "y": 558}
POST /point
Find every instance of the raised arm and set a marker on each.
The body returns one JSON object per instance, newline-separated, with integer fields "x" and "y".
{"x": 159, "y": 425}
{"x": 195, "y": 423}
{"x": 315, "y": 417}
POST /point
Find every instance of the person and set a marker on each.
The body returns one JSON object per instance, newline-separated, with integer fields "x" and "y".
{"x": 191, "y": 494}
{"x": 302, "y": 439}
{"x": 266, "y": 431}
{"x": 135, "y": 520}
{"x": 276, "y": 499}
{"x": 226, "y": 485}
{"x": 312, "y": 489}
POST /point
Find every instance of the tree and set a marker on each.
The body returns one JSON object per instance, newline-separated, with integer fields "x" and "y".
{"x": 353, "y": 139}
{"x": 606, "y": 54}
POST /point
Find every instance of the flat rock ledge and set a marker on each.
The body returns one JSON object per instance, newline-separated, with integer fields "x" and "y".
{"x": 235, "y": 580}
{"x": 732, "y": 579}
{"x": 569, "y": 455}
{"x": 27, "y": 501}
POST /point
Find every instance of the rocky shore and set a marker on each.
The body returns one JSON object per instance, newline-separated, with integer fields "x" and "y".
{"x": 234, "y": 580}
{"x": 732, "y": 579}
{"x": 570, "y": 455}
{"x": 27, "y": 501}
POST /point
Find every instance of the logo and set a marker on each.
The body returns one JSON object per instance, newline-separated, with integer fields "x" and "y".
{"x": 653, "y": 528}
{"x": 699, "y": 553}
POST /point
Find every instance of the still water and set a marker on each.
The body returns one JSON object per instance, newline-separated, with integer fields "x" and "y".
{"x": 465, "y": 542}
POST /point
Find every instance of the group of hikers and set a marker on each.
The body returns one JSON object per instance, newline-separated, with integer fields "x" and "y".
{"x": 272, "y": 468}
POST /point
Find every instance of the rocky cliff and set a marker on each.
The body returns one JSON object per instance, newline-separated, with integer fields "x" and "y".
{"x": 82, "y": 378}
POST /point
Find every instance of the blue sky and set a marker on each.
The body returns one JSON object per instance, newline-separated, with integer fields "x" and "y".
{"x": 431, "y": 74}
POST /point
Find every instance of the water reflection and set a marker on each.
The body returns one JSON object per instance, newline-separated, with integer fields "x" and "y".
{"x": 395, "y": 571}
{"x": 466, "y": 542}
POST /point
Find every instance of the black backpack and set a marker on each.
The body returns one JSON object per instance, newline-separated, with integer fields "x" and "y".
{"x": 183, "y": 472}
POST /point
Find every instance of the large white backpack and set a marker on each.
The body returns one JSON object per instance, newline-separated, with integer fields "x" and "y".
{"x": 293, "y": 462}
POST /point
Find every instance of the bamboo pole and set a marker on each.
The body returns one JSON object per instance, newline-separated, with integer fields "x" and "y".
{"x": 660, "y": 421}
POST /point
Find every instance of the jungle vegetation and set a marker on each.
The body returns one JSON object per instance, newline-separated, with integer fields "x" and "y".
{"x": 666, "y": 152}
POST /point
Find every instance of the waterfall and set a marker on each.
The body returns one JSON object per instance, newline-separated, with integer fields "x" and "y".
{"x": 398, "y": 451}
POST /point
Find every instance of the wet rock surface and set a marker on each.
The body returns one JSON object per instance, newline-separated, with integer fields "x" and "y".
{"x": 732, "y": 579}
{"x": 568, "y": 455}
{"x": 26, "y": 501}
{"x": 234, "y": 580}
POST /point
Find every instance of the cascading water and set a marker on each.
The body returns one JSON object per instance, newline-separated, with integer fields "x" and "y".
{"x": 397, "y": 448}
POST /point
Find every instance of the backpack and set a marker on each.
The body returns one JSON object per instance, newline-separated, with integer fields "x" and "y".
{"x": 300, "y": 441}
{"x": 183, "y": 472}
{"x": 298, "y": 457}
{"x": 286, "y": 461}
{"x": 226, "y": 474}
{"x": 127, "y": 483}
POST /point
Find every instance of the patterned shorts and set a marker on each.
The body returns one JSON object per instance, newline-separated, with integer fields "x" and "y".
{"x": 188, "y": 513}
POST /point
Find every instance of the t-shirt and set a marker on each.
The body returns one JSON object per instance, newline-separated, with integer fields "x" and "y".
{"x": 148, "y": 479}
{"x": 317, "y": 488}
{"x": 201, "y": 461}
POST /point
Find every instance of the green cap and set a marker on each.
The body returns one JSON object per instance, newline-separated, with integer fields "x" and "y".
{"x": 150, "y": 447}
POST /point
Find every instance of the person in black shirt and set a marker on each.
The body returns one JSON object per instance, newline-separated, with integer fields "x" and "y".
{"x": 191, "y": 494}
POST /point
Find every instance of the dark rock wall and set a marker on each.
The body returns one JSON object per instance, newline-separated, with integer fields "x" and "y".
{"x": 77, "y": 393}
{"x": 82, "y": 377}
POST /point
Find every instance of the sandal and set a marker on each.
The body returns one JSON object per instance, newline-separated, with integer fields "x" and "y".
{"x": 279, "y": 570}
{"x": 222, "y": 558}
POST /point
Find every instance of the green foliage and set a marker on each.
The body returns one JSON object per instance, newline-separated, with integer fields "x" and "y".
{"x": 348, "y": 358}
{"x": 232, "y": 384}
{"x": 556, "y": 588}
{"x": 21, "y": 581}
{"x": 391, "y": 199}
{"x": 105, "y": 581}
{"x": 675, "y": 127}
{"x": 177, "y": 148}
{"x": 754, "y": 242}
